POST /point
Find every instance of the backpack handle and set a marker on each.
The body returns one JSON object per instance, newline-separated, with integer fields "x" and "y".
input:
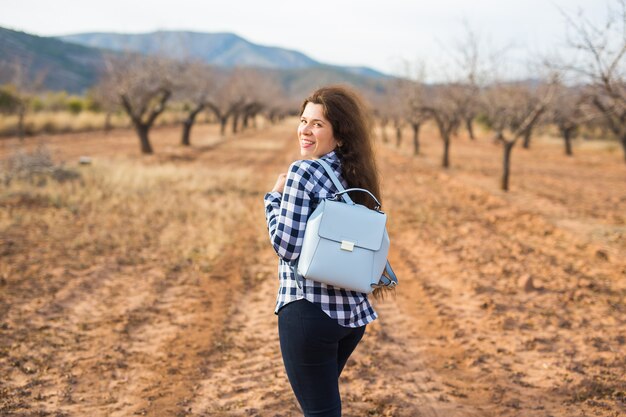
{"x": 341, "y": 193}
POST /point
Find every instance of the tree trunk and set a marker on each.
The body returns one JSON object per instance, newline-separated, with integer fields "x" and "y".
{"x": 470, "y": 127}
{"x": 223, "y": 121}
{"x": 498, "y": 137}
{"x": 142, "y": 126}
{"x": 398, "y": 136}
{"x": 21, "y": 130}
{"x": 567, "y": 135}
{"x": 506, "y": 168}
{"x": 446, "y": 152}
{"x": 142, "y": 131}
{"x": 623, "y": 140}
{"x": 235, "y": 122}
{"x": 527, "y": 135}
{"x": 383, "y": 129}
{"x": 107, "y": 122}
{"x": 416, "y": 138}
{"x": 188, "y": 124}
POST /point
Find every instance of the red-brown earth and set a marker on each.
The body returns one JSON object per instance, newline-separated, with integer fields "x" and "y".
{"x": 147, "y": 285}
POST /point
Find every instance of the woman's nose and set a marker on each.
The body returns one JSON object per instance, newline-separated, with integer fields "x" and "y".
{"x": 306, "y": 130}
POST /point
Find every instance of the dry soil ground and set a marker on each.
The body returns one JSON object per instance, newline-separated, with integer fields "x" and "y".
{"x": 147, "y": 286}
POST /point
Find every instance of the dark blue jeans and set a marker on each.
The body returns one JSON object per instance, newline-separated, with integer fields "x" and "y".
{"x": 315, "y": 349}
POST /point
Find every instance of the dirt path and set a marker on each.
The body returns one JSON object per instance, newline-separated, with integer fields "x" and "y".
{"x": 386, "y": 375}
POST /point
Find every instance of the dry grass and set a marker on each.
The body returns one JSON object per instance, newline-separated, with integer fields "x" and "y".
{"x": 66, "y": 122}
{"x": 129, "y": 249}
{"x": 131, "y": 212}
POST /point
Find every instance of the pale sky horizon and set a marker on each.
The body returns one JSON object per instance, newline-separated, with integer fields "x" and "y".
{"x": 341, "y": 32}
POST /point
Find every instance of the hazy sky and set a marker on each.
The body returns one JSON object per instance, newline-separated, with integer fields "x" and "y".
{"x": 375, "y": 33}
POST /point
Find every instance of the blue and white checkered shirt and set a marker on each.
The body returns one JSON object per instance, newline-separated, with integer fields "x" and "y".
{"x": 307, "y": 184}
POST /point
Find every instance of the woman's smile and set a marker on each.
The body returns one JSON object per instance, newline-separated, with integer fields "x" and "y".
{"x": 305, "y": 143}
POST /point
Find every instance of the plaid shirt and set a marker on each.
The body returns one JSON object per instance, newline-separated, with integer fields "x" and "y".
{"x": 307, "y": 184}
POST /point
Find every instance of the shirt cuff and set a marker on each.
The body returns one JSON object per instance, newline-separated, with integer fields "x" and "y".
{"x": 272, "y": 196}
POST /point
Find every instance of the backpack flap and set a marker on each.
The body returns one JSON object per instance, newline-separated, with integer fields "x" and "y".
{"x": 352, "y": 225}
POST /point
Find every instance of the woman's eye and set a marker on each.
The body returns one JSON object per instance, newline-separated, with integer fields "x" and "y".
{"x": 302, "y": 121}
{"x": 317, "y": 124}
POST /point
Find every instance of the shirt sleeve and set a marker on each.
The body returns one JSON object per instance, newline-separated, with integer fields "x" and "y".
{"x": 287, "y": 214}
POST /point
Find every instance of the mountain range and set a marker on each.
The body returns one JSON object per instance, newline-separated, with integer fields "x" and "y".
{"x": 74, "y": 62}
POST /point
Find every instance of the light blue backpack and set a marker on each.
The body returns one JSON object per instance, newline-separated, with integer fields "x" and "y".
{"x": 345, "y": 244}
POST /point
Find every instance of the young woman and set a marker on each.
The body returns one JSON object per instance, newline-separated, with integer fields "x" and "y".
{"x": 320, "y": 325}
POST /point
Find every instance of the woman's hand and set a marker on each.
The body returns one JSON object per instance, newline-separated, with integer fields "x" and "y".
{"x": 280, "y": 183}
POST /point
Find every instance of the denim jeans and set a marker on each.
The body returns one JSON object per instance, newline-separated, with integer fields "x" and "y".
{"x": 315, "y": 348}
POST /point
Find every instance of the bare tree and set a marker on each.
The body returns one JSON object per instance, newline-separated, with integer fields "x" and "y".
{"x": 262, "y": 90}
{"x": 391, "y": 108}
{"x": 226, "y": 99}
{"x": 398, "y": 125}
{"x": 511, "y": 109}
{"x": 278, "y": 108}
{"x": 384, "y": 121}
{"x": 443, "y": 107}
{"x": 400, "y": 105}
{"x": 467, "y": 59}
{"x": 416, "y": 116}
{"x": 602, "y": 65}
{"x": 532, "y": 97}
{"x": 107, "y": 100}
{"x": 568, "y": 111}
{"x": 143, "y": 86}
{"x": 244, "y": 90}
{"x": 197, "y": 81}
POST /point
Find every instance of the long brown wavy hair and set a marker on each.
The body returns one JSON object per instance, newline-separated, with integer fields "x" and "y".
{"x": 352, "y": 128}
{"x": 352, "y": 125}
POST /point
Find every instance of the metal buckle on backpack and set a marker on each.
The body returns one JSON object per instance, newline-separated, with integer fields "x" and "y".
{"x": 385, "y": 281}
{"x": 347, "y": 245}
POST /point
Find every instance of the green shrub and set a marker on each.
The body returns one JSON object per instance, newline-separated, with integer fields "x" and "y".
{"x": 75, "y": 105}
{"x": 9, "y": 101}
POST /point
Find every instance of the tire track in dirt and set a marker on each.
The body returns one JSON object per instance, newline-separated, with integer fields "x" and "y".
{"x": 518, "y": 305}
{"x": 246, "y": 375}
{"x": 190, "y": 355}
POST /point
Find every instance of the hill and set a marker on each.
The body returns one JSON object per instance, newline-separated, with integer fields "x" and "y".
{"x": 64, "y": 65}
{"x": 73, "y": 63}
{"x": 220, "y": 49}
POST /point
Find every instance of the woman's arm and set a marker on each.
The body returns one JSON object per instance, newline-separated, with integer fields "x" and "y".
{"x": 287, "y": 214}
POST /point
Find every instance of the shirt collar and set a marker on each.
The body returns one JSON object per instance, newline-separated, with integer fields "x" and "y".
{"x": 330, "y": 157}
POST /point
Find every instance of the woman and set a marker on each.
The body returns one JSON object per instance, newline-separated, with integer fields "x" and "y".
{"x": 320, "y": 325}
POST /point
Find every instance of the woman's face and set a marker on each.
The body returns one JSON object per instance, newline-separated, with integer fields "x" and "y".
{"x": 315, "y": 133}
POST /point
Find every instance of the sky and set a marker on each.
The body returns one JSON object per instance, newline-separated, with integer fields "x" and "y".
{"x": 381, "y": 34}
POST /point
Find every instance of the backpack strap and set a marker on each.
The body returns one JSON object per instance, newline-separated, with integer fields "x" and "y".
{"x": 335, "y": 180}
{"x": 342, "y": 191}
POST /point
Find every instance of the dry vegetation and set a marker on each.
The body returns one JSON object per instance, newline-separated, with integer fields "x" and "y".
{"x": 145, "y": 285}
{"x": 52, "y": 122}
